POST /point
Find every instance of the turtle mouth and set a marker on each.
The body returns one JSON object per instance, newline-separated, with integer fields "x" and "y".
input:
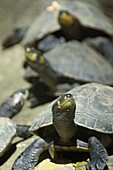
{"x": 62, "y": 114}
{"x": 62, "y": 117}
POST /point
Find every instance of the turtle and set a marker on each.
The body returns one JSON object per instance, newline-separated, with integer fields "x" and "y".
{"x": 42, "y": 38}
{"x": 93, "y": 113}
{"x": 79, "y": 21}
{"x": 14, "y": 103}
{"x": 75, "y": 20}
{"x": 46, "y": 35}
{"x": 38, "y": 90}
{"x": 58, "y": 130}
{"x": 68, "y": 65}
{"x": 88, "y": 26}
{"x": 85, "y": 12}
{"x": 9, "y": 130}
{"x": 82, "y": 19}
{"x": 49, "y": 40}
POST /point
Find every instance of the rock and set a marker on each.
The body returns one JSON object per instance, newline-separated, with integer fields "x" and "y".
{"x": 48, "y": 165}
{"x": 11, "y": 71}
{"x": 110, "y": 162}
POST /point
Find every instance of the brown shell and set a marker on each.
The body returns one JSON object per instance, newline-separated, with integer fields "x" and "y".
{"x": 94, "y": 108}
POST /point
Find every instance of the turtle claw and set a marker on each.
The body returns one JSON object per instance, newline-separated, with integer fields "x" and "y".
{"x": 95, "y": 166}
{"x": 98, "y": 155}
{"x": 89, "y": 166}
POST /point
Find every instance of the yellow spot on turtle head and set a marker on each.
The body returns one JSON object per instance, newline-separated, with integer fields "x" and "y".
{"x": 31, "y": 57}
{"x": 42, "y": 59}
{"x": 65, "y": 97}
{"x": 59, "y": 106}
{"x": 28, "y": 49}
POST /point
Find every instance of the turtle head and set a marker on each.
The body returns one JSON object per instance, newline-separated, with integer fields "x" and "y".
{"x": 31, "y": 53}
{"x": 64, "y": 108}
{"x": 20, "y": 95}
{"x": 17, "y": 100}
{"x": 65, "y": 18}
{"x": 24, "y": 92}
{"x": 35, "y": 59}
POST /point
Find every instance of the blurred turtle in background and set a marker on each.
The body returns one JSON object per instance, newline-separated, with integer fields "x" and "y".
{"x": 82, "y": 21}
{"x": 78, "y": 20}
{"x": 69, "y": 65}
{"x": 14, "y": 103}
{"x": 44, "y": 25}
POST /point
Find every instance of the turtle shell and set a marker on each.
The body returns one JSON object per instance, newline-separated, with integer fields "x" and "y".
{"x": 7, "y": 132}
{"x": 87, "y": 14}
{"x": 94, "y": 109}
{"x": 45, "y": 24}
{"x": 80, "y": 62}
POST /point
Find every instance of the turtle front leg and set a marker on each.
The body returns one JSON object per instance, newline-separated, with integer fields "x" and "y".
{"x": 29, "y": 158}
{"x": 98, "y": 155}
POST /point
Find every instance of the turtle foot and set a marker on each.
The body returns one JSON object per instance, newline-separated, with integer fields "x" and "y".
{"x": 98, "y": 155}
